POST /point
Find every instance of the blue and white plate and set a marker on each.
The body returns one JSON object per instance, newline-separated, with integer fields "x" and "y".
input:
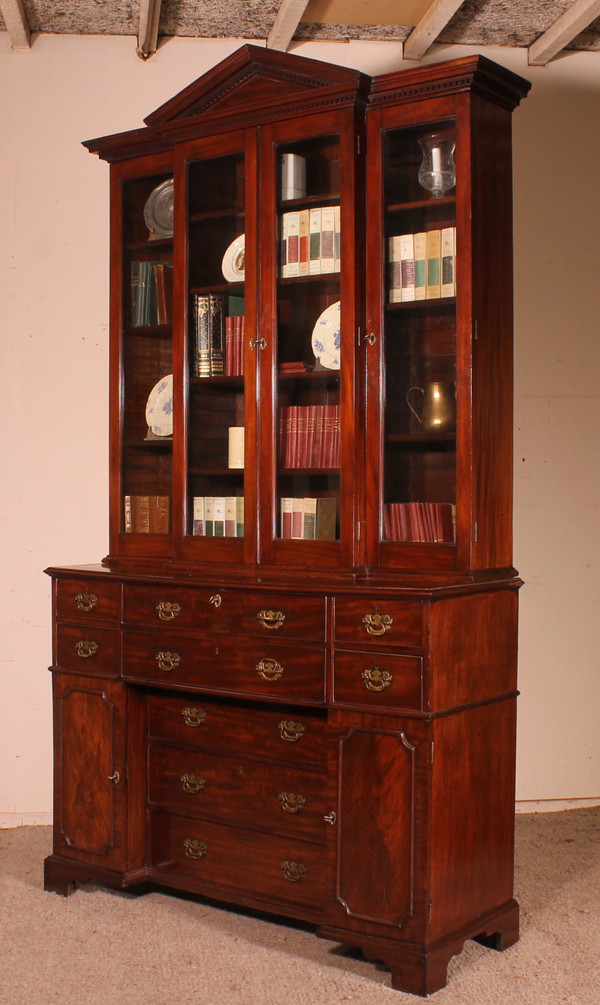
{"x": 326, "y": 337}
{"x": 159, "y": 408}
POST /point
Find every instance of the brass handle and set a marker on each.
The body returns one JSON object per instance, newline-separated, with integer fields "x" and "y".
{"x": 269, "y": 669}
{"x": 192, "y": 783}
{"x": 168, "y": 661}
{"x": 115, "y": 777}
{"x": 371, "y": 338}
{"x": 376, "y": 679}
{"x": 271, "y": 619}
{"x": 290, "y": 731}
{"x": 195, "y": 848}
{"x": 86, "y": 601}
{"x": 291, "y": 802}
{"x": 216, "y": 600}
{"x": 168, "y": 610}
{"x": 193, "y": 717}
{"x": 330, "y": 818}
{"x": 293, "y": 871}
{"x": 257, "y": 343}
{"x": 85, "y": 648}
{"x": 377, "y": 623}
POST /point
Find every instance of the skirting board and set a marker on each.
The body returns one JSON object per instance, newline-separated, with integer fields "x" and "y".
{"x": 522, "y": 806}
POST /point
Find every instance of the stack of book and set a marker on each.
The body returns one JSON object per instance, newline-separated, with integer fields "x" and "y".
{"x": 147, "y": 514}
{"x": 309, "y": 519}
{"x": 419, "y": 521}
{"x": 151, "y": 292}
{"x": 219, "y": 329}
{"x": 309, "y": 436}
{"x": 422, "y": 266}
{"x": 310, "y": 241}
{"x": 235, "y": 330}
{"x": 218, "y": 516}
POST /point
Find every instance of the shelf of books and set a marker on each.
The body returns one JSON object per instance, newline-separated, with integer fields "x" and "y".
{"x": 419, "y": 441}
{"x": 147, "y": 388}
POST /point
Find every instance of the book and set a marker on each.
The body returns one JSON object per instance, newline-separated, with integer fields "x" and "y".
{"x": 314, "y": 241}
{"x": 407, "y": 267}
{"x": 448, "y": 255}
{"x": 286, "y": 506}
{"x": 433, "y": 264}
{"x": 239, "y": 516}
{"x": 337, "y": 239}
{"x": 230, "y": 521}
{"x": 395, "y": 270}
{"x": 327, "y": 239}
{"x": 219, "y": 516}
{"x": 198, "y": 524}
{"x": 202, "y": 332}
{"x": 292, "y": 252}
{"x": 420, "y": 244}
{"x": 297, "y": 518}
{"x": 304, "y": 242}
{"x": 309, "y": 518}
{"x": 326, "y": 516}
{"x": 216, "y": 333}
{"x": 145, "y": 514}
{"x": 209, "y": 516}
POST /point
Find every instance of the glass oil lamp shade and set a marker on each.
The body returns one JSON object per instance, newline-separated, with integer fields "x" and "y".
{"x": 437, "y": 173}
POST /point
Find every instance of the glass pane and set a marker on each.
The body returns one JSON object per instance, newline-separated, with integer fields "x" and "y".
{"x": 147, "y": 402}
{"x": 309, "y": 337}
{"x": 216, "y": 329}
{"x": 420, "y": 335}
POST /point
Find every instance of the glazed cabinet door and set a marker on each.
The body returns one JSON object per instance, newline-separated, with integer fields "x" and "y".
{"x": 90, "y": 802}
{"x": 309, "y": 306}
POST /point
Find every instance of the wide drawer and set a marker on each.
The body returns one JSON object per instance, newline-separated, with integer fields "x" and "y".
{"x": 92, "y": 600}
{"x": 88, "y": 649}
{"x": 264, "y": 669}
{"x": 271, "y": 797}
{"x": 381, "y": 621}
{"x": 226, "y": 611}
{"x": 288, "y": 735}
{"x": 252, "y": 865}
{"x": 378, "y": 680}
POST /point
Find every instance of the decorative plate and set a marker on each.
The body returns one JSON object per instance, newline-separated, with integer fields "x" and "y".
{"x": 159, "y": 409}
{"x": 326, "y": 337}
{"x": 234, "y": 263}
{"x": 158, "y": 211}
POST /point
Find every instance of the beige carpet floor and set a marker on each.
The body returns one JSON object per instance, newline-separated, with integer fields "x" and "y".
{"x": 103, "y": 948}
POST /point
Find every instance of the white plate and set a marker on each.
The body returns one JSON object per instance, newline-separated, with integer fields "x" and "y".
{"x": 326, "y": 337}
{"x": 158, "y": 211}
{"x": 234, "y": 266}
{"x": 159, "y": 409}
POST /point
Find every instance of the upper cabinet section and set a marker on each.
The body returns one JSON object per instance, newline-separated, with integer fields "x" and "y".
{"x": 311, "y": 347}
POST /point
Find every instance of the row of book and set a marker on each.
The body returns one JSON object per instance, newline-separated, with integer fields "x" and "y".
{"x": 310, "y": 241}
{"x": 309, "y": 436}
{"x": 218, "y": 516}
{"x": 422, "y": 266}
{"x": 151, "y": 292}
{"x": 147, "y": 514}
{"x": 419, "y": 521}
{"x": 309, "y": 519}
{"x": 219, "y": 329}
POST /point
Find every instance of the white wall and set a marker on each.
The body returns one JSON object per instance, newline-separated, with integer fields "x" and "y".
{"x": 54, "y": 345}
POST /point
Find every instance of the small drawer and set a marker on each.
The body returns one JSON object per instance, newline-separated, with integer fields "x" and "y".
{"x": 264, "y": 867}
{"x": 88, "y": 649}
{"x": 88, "y": 600}
{"x": 226, "y": 611}
{"x": 377, "y": 680}
{"x": 289, "y": 735}
{"x": 260, "y": 669}
{"x": 381, "y": 621}
{"x": 273, "y": 797}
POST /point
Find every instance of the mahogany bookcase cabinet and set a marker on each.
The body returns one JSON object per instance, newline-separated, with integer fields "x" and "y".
{"x": 291, "y": 684}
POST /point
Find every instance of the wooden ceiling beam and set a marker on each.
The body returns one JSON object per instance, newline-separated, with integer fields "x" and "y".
{"x": 434, "y": 20}
{"x": 147, "y": 41}
{"x": 564, "y": 30}
{"x": 16, "y": 23}
{"x": 288, "y": 18}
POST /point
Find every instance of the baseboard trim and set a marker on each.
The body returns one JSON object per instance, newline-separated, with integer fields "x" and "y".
{"x": 554, "y": 805}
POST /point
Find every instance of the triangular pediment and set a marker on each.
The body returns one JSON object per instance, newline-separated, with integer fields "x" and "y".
{"x": 250, "y": 78}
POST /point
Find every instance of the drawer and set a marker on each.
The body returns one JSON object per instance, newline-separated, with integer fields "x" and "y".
{"x": 226, "y": 611}
{"x": 92, "y": 600}
{"x": 378, "y": 680}
{"x": 250, "y": 864}
{"x": 263, "y": 669}
{"x": 289, "y": 735}
{"x": 384, "y": 622}
{"x": 88, "y": 649}
{"x": 270, "y": 797}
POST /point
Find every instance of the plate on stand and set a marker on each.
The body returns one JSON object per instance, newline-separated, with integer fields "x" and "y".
{"x": 159, "y": 408}
{"x": 326, "y": 337}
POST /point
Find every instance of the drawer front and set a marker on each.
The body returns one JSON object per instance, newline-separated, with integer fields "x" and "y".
{"x": 377, "y": 680}
{"x": 290, "y": 736}
{"x": 271, "y": 797}
{"x": 88, "y": 649}
{"x": 380, "y": 621}
{"x": 263, "y": 669}
{"x": 251, "y": 864}
{"x": 78, "y": 600}
{"x": 226, "y": 611}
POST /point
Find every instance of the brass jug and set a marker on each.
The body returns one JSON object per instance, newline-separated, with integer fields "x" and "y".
{"x": 438, "y": 407}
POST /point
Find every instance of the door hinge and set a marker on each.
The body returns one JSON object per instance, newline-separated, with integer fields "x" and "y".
{"x": 358, "y": 144}
{"x": 474, "y": 329}
{"x": 432, "y": 750}
{"x": 476, "y": 532}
